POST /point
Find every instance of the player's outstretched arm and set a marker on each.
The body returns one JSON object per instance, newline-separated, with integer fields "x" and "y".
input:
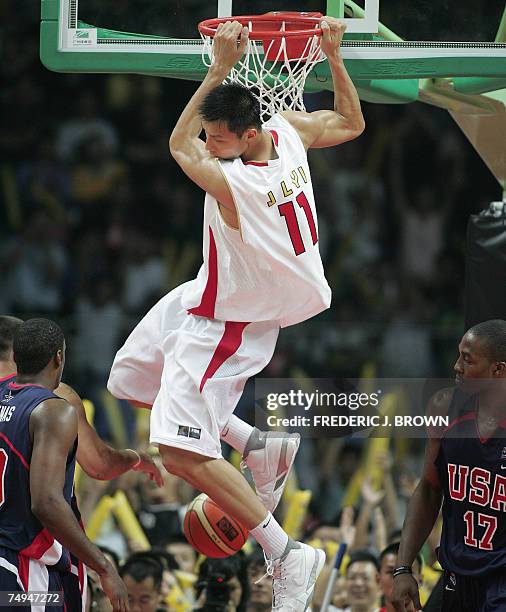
{"x": 423, "y": 510}
{"x": 98, "y": 459}
{"x": 53, "y": 429}
{"x": 328, "y": 128}
{"x": 185, "y": 145}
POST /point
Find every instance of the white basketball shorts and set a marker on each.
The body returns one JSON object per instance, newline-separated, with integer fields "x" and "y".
{"x": 191, "y": 369}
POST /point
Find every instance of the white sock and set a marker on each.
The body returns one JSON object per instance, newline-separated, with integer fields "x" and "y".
{"x": 236, "y": 433}
{"x": 271, "y": 537}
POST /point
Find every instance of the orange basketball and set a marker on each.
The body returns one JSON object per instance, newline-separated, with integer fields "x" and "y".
{"x": 211, "y": 531}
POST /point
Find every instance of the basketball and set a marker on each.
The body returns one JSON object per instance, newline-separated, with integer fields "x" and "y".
{"x": 211, "y": 531}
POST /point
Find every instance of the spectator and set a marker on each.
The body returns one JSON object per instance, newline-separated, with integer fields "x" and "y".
{"x": 406, "y": 347}
{"x": 260, "y": 599}
{"x": 44, "y": 182}
{"x": 388, "y": 561}
{"x": 96, "y": 174}
{"x": 169, "y": 590}
{"x": 425, "y": 206}
{"x": 362, "y": 582}
{"x": 223, "y": 585}
{"x": 184, "y": 554}
{"x": 99, "y": 323}
{"x": 33, "y": 265}
{"x": 86, "y": 124}
{"x": 146, "y": 144}
{"x": 161, "y": 510}
{"x": 142, "y": 576}
{"x": 143, "y": 272}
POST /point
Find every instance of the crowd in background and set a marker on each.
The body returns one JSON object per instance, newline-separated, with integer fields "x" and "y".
{"x": 167, "y": 575}
{"x": 98, "y": 222}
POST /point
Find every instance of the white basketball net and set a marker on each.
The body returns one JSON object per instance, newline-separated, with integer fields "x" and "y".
{"x": 278, "y": 82}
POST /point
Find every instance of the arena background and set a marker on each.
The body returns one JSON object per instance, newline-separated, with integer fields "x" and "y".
{"x": 98, "y": 222}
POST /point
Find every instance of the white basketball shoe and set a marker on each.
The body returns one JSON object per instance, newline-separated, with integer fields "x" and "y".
{"x": 294, "y": 576}
{"x": 269, "y": 456}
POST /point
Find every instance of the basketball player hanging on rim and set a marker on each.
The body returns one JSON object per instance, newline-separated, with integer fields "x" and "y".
{"x": 262, "y": 271}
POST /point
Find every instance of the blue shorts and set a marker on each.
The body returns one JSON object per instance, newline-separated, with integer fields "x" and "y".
{"x": 485, "y": 593}
{"x": 19, "y": 574}
{"x": 75, "y": 586}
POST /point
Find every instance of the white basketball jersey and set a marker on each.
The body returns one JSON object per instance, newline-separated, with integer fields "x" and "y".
{"x": 270, "y": 269}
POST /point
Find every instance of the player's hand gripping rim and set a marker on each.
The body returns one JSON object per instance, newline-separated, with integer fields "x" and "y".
{"x": 332, "y": 34}
{"x": 229, "y": 44}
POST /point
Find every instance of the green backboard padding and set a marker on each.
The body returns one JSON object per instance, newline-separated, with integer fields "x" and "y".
{"x": 49, "y": 9}
{"x": 387, "y": 91}
{"x": 180, "y": 65}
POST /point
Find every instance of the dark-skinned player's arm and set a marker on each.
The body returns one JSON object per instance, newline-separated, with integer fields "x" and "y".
{"x": 327, "y": 128}
{"x": 98, "y": 459}
{"x": 53, "y": 430}
{"x": 186, "y": 147}
{"x": 422, "y": 513}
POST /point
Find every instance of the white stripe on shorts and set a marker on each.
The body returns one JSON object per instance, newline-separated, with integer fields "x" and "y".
{"x": 13, "y": 569}
{"x": 38, "y": 580}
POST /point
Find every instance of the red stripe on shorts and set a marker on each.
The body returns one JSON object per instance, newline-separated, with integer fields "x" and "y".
{"x": 80, "y": 574}
{"x": 208, "y": 302}
{"x": 41, "y": 543}
{"x": 24, "y": 570}
{"x": 227, "y": 346}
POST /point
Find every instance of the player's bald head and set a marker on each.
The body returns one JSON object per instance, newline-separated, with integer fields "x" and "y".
{"x": 492, "y": 338}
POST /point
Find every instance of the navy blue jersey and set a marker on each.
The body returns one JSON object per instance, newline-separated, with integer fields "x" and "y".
{"x": 20, "y": 530}
{"x": 472, "y": 472}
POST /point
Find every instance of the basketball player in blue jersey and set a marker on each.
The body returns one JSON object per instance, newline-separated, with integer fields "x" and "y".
{"x": 465, "y": 468}
{"x": 38, "y": 444}
{"x": 97, "y": 459}
{"x": 192, "y": 354}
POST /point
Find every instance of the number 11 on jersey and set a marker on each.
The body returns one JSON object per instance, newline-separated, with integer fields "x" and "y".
{"x": 287, "y": 211}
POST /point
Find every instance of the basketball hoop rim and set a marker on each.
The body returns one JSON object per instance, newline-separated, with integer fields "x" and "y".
{"x": 208, "y": 26}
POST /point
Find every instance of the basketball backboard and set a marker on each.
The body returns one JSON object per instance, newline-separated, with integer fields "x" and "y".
{"x": 390, "y": 40}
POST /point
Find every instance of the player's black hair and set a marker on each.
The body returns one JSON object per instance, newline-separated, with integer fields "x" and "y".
{"x": 36, "y": 342}
{"x": 493, "y": 334}
{"x": 362, "y": 555}
{"x": 393, "y": 549}
{"x": 141, "y": 566}
{"x": 8, "y": 328}
{"x": 233, "y": 104}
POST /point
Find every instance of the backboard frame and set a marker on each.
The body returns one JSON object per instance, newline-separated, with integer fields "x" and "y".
{"x": 393, "y": 67}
